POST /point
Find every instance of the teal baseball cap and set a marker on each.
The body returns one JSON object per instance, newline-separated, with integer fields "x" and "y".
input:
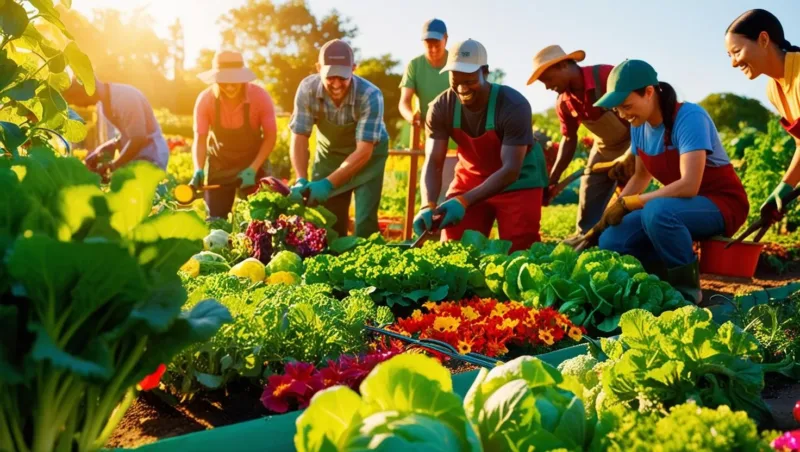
{"x": 624, "y": 79}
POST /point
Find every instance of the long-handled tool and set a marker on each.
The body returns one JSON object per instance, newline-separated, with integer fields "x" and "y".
{"x": 762, "y": 225}
{"x": 185, "y": 194}
{"x": 597, "y": 168}
{"x": 427, "y": 234}
{"x": 441, "y": 347}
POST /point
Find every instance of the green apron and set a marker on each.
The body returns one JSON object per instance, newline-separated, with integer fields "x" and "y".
{"x": 334, "y": 144}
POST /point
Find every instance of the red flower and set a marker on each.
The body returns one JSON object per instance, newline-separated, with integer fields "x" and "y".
{"x": 151, "y": 381}
{"x": 280, "y": 391}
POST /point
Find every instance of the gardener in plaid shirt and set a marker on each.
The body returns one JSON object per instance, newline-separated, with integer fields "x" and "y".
{"x": 352, "y": 142}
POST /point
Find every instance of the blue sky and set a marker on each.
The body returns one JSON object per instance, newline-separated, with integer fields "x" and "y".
{"x": 682, "y": 39}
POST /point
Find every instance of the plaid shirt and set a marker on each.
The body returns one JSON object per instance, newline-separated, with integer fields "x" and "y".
{"x": 363, "y": 105}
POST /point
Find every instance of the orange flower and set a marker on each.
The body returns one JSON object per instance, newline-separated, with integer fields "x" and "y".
{"x": 508, "y": 324}
{"x": 468, "y": 313}
{"x": 562, "y": 321}
{"x": 464, "y": 347}
{"x": 575, "y": 334}
{"x": 446, "y": 324}
{"x": 546, "y": 336}
{"x": 515, "y": 305}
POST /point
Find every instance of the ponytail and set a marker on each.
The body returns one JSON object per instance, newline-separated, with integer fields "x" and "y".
{"x": 752, "y": 23}
{"x": 667, "y": 102}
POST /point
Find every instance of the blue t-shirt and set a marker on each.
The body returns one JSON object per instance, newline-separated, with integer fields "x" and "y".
{"x": 693, "y": 130}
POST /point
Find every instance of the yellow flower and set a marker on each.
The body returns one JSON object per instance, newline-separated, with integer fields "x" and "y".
{"x": 515, "y": 305}
{"x": 575, "y": 334}
{"x": 562, "y": 321}
{"x": 508, "y": 324}
{"x": 530, "y": 321}
{"x": 416, "y": 315}
{"x": 499, "y": 310}
{"x": 446, "y": 324}
{"x": 464, "y": 347}
{"x": 546, "y": 336}
{"x": 429, "y": 305}
{"x": 468, "y": 313}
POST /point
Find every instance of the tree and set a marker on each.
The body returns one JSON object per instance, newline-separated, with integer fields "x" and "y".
{"x": 497, "y": 76}
{"x": 729, "y": 110}
{"x": 281, "y": 42}
{"x": 380, "y": 71}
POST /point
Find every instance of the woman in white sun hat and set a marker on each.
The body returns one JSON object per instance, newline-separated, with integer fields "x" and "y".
{"x": 234, "y": 131}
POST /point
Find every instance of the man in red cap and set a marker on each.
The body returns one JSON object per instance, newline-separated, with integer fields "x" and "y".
{"x": 500, "y": 172}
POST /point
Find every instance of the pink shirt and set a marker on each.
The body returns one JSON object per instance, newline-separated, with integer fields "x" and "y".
{"x": 262, "y": 111}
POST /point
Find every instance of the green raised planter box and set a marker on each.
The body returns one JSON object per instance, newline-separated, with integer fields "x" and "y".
{"x": 276, "y": 433}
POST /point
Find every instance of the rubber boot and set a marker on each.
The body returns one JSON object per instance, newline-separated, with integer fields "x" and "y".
{"x": 656, "y": 267}
{"x": 686, "y": 280}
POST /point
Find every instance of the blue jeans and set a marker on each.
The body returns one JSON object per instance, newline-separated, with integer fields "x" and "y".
{"x": 664, "y": 229}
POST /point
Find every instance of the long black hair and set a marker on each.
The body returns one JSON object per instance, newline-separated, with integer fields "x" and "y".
{"x": 667, "y": 101}
{"x": 753, "y": 22}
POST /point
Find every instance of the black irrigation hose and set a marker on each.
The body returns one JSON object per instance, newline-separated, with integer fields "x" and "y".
{"x": 441, "y": 347}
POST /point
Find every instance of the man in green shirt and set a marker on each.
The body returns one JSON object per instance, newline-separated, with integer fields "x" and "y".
{"x": 422, "y": 77}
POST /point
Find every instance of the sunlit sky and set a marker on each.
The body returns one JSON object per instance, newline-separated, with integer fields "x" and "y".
{"x": 682, "y": 39}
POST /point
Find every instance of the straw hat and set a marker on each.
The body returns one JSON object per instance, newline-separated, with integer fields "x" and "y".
{"x": 227, "y": 67}
{"x": 549, "y": 56}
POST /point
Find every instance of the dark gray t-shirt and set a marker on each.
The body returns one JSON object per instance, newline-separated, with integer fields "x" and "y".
{"x": 512, "y": 118}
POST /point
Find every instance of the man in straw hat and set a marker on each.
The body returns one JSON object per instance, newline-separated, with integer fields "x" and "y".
{"x": 352, "y": 141}
{"x": 610, "y": 160}
{"x": 129, "y": 111}
{"x": 234, "y": 131}
{"x": 500, "y": 174}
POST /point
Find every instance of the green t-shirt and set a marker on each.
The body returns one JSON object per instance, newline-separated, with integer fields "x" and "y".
{"x": 425, "y": 80}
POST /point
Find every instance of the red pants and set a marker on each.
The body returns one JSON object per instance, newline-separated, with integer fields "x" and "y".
{"x": 518, "y": 214}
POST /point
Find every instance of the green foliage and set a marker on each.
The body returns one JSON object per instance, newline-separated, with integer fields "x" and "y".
{"x": 33, "y": 75}
{"x": 732, "y": 112}
{"x": 686, "y": 427}
{"x": 776, "y": 325}
{"x": 273, "y": 324}
{"x": 435, "y": 272}
{"x": 406, "y": 402}
{"x": 683, "y": 355}
{"x": 91, "y": 301}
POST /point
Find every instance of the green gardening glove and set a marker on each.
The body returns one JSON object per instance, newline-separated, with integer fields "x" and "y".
{"x": 776, "y": 200}
{"x": 319, "y": 191}
{"x": 424, "y": 220}
{"x": 296, "y": 195}
{"x": 197, "y": 179}
{"x": 452, "y": 211}
{"x": 248, "y": 177}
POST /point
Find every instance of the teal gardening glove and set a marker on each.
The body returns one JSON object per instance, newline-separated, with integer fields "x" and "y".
{"x": 197, "y": 178}
{"x": 452, "y": 211}
{"x": 296, "y": 195}
{"x": 319, "y": 191}
{"x": 248, "y": 177}
{"x": 777, "y": 199}
{"x": 424, "y": 219}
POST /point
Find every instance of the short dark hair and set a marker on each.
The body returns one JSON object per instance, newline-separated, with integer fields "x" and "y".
{"x": 751, "y": 23}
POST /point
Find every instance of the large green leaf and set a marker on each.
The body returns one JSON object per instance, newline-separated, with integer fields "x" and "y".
{"x": 74, "y": 128}
{"x": 94, "y": 364}
{"x": 44, "y": 7}
{"x": 131, "y": 198}
{"x": 330, "y": 414}
{"x": 399, "y": 432}
{"x": 55, "y": 20}
{"x": 81, "y": 66}
{"x": 508, "y": 418}
{"x": 8, "y": 69}
{"x": 638, "y": 329}
{"x": 22, "y": 91}
{"x": 11, "y": 136}
{"x": 53, "y": 103}
{"x": 736, "y": 341}
{"x": 76, "y": 208}
{"x": 13, "y": 19}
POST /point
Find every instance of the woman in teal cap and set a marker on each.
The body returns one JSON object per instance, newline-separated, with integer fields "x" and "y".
{"x": 678, "y": 145}
{"x": 757, "y": 45}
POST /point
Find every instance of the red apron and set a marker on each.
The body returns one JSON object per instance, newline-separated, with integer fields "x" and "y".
{"x": 518, "y": 208}
{"x": 792, "y": 127}
{"x": 719, "y": 184}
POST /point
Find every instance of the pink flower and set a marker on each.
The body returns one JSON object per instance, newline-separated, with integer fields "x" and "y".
{"x": 280, "y": 390}
{"x": 788, "y": 442}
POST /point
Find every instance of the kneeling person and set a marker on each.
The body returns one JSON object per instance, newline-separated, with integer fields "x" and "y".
{"x": 500, "y": 174}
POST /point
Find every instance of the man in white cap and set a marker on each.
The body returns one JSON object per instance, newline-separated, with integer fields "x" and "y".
{"x": 500, "y": 174}
{"x": 352, "y": 141}
{"x": 610, "y": 160}
{"x": 127, "y": 108}
{"x": 234, "y": 131}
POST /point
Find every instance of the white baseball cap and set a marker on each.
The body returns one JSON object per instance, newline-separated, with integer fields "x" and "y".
{"x": 466, "y": 56}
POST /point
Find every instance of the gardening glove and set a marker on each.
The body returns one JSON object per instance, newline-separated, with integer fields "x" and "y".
{"x": 101, "y": 153}
{"x": 776, "y": 201}
{"x": 247, "y": 176}
{"x": 424, "y": 219}
{"x": 614, "y": 214}
{"x": 298, "y": 188}
{"x": 318, "y": 191}
{"x": 452, "y": 211}
{"x": 197, "y": 179}
{"x": 620, "y": 169}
